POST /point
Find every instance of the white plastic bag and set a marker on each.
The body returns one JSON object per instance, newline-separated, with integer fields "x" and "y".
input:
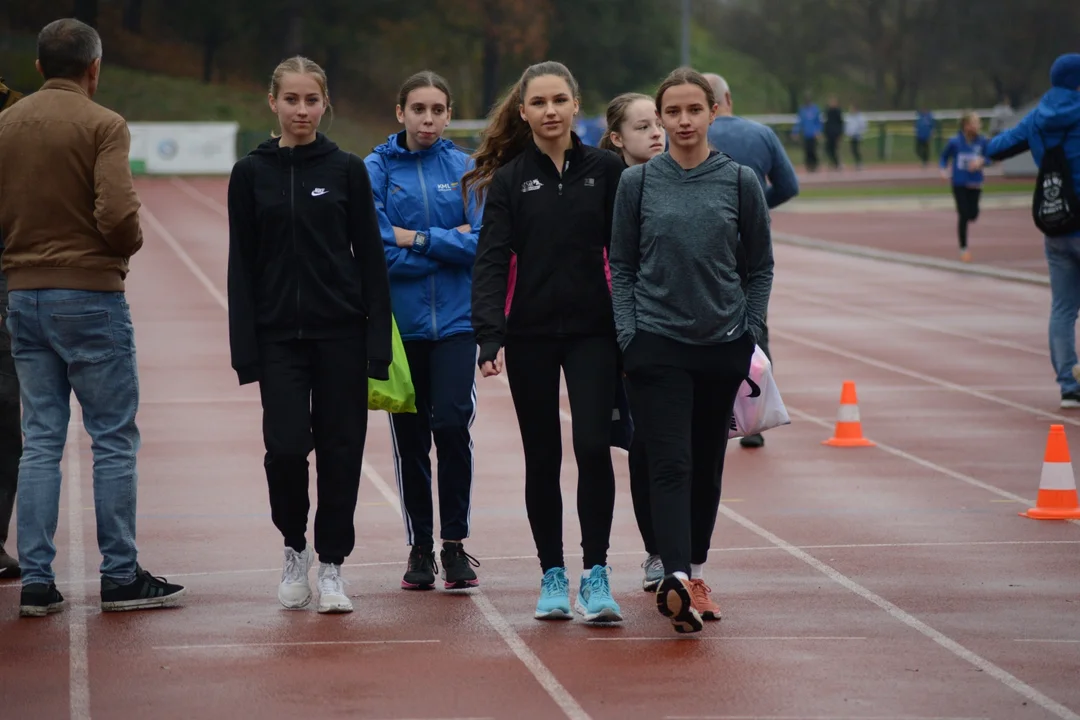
{"x": 758, "y": 406}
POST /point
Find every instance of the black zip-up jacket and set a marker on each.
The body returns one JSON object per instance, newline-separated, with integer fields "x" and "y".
{"x": 305, "y": 254}
{"x": 559, "y": 228}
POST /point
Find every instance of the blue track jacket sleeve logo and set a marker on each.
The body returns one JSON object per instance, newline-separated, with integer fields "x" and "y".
{"x": 430, "y": 283}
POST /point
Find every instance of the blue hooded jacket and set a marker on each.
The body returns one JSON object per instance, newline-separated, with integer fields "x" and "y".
{"x": 430, "y": 286}
{"x": 1057, "y": 114}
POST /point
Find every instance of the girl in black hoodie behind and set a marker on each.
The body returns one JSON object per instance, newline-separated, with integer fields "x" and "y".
{"x": 309, "y": 319}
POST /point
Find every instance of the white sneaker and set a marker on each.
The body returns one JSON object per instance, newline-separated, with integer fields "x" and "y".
{"x": 332, "y": 597}
{"x": 295, "y": 590}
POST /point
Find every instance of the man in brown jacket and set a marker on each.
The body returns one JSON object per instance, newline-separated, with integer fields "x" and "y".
{"x": 70, "y": 222}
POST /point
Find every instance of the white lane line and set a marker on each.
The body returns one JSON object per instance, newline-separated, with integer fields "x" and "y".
{"x": 499, "y": 623}
{"x": 820, "y": 717}
{"x": 803, "y": 296}
{"x": 195, "y": 194}
{"x": 245, "y": 646}
{"x": 955, "y": 387}
{"x": 727, "y": 638}
{"x": 184, "y": 257}
{"x": 79, "y": 663}
{"x": 1047, "y": 640}
{"x": 627, "y": 553}
{"x": 929, "y": 465}
{"x": 1008, "y": 680}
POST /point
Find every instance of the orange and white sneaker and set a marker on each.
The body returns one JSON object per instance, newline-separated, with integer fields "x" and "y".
{"x": 702, "y": 600}
{"x": 674, "y": 601}
{"x": 965, "y": 256}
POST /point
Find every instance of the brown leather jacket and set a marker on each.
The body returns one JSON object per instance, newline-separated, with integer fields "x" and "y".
{"x": 69, "y": 215}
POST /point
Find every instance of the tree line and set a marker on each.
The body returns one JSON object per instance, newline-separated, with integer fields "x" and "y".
{"x": 883, "y": 54}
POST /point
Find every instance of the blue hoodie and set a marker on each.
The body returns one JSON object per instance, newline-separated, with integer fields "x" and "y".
{"x": 924, "y": 125}
{"x": 1057, "y": 112}
{"x": 430, "y": 286}
{"x": 961, "y": 152}
{"x": 808, "y": 123}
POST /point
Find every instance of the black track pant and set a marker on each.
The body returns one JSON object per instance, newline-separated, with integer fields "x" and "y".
{"x": 314, "y": 397}
{"x": 683, "y": 416}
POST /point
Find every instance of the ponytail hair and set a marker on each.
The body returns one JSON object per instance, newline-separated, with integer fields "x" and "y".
{"x": 507, "y": 134}
{"x": 616, "y": 116}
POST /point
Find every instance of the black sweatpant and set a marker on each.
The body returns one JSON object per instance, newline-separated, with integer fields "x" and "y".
{"x": 639, "y": 491}
{"x": 856, "y": 150}
{"x": 682, "y": 407}
{"x": 967, "y": 210}
{"x": 922, "y": 150}
{"x": 444, "y": 375}
{"x": 10, "y": 423}
{"x": 314, "y": 397}
{"x": 810, "y": 151}
{"x": 832, "y": 149}
{"x": 590, "y": 366}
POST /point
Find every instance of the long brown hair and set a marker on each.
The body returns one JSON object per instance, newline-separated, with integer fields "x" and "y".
{"x": 685, "y": 76}
{"x": 423, "y": 79}
{"x": 616, "y": 116}
{"x": 507, "y": 135}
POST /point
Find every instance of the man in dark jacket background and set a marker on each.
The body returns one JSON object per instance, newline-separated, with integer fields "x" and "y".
{"x": 10, "y": 428}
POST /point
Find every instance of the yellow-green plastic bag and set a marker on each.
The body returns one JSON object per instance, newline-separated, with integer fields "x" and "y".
{"x": 398, "y": 394}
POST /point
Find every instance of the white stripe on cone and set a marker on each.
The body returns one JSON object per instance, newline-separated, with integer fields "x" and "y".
{"x": 848, "y": 413}
{"x": 1057, "y": 476}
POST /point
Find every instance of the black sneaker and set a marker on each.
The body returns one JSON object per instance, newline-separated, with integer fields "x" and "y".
{"x": 752, "y": 441}
{"x": 457, "y": 574}
{"x": 9, "y": 566}
{"x": 39, "y": 600}
{"x": 144, "y": 593}
{"x": 1070, "y": 400}
{"x": 420, "y": 574}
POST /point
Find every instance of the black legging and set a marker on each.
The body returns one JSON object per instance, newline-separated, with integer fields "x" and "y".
{"x": 590, "y": 366}
{"x": 967, "y": 207}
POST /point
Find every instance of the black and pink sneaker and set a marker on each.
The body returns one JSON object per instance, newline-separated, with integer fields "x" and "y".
{"x": 420, "y": 574}
{"x": 457, "y": 573}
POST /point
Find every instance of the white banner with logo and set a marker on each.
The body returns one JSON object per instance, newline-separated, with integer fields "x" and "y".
{"x": 196, "y": 148}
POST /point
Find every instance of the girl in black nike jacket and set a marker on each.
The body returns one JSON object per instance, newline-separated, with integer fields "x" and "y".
{"x": 309, "y": 319}
{"x": 548, "y": 204}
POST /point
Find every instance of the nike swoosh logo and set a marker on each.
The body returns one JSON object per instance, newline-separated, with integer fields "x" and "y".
{"x": 318, "y": 191}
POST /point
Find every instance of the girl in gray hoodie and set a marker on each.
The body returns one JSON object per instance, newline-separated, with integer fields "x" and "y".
{"x": 687, "y": 322}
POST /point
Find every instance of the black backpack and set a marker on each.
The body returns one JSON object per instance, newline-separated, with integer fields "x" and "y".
{"x": 1056, "y": 208}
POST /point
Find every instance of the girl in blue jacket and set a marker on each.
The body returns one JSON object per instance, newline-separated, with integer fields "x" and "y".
{"x": 967, "y": 152}
{"x": 429, "y": 237}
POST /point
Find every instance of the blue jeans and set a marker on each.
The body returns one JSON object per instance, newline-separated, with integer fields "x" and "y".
{"x": 1063, "y": 259}
{"x": 64, "y": 340}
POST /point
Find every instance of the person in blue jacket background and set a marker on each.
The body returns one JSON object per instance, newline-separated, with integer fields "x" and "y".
{"x": 809, "y": 127}
{"x": 429, "y": 236}
{"x": 967, "y": 153}
{"x": 924, "y": 131}
{"x": 1056, "y": 121}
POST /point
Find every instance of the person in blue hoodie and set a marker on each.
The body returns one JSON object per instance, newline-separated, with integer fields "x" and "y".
{"x": 429, "y": 236}
{"x": 924, "y": 131}
{"x": 1056, "y": 121}
{"x": 967, "y": 153}
{"x": 809, "y": 127}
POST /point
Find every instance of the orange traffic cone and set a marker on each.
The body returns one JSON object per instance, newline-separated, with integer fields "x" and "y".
{"x": 848, "y": 426}
{"x": 1057, "y": 487}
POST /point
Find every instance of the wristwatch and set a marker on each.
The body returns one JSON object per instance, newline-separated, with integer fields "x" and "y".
{"x": 420, "y": 240}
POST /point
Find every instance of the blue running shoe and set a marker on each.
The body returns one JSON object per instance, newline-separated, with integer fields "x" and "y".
{"x": 554, "y": 603}
{"x": 594, "y": 600}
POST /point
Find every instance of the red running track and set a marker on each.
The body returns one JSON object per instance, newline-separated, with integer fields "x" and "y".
{"x": 893, "y": 582}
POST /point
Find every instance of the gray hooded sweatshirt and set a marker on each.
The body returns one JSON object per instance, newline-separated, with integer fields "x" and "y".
{"x": 677, "y": 269}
